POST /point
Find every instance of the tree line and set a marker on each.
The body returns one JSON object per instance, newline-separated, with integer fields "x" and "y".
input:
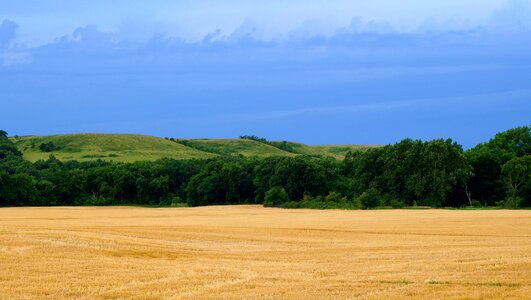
{"x": 437, "y": 173}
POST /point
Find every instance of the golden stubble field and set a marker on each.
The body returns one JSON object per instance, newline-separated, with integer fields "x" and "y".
{"x": 256, "y": 252}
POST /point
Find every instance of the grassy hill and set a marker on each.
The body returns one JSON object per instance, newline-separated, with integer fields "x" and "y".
{"x": 336, "y": 151}
{"x": 246, "y": 148}
{"x": 116, "y": 147}
{"x": 131, "y": 147}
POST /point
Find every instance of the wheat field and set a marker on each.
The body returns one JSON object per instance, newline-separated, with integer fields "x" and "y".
{"x": 256, "y": 252}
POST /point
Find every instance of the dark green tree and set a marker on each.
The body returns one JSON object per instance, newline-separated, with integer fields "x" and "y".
{"x": 517, "y": 173}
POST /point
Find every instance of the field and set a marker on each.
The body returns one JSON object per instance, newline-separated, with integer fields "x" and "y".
{"x": 256, "y": 252}
{"x": 135, "y": 147}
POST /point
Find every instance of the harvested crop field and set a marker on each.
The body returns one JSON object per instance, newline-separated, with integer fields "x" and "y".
{"x": 256, "y": 252}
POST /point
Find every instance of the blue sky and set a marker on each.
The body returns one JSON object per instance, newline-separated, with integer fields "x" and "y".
{"x": 319, "y": 72}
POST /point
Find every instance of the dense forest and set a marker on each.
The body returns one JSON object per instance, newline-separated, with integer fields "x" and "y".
{"x": 436, "y": 173}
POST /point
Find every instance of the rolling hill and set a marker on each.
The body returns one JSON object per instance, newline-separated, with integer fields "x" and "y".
{"x": 336, "y": 151}
{"x": 116, "y": 147}
{"x": 132, "y": 147}
{"x": 246, "y": 148}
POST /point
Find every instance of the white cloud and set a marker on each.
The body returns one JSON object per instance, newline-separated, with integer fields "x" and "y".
{"x": 192, "y": 20}
{"x": 515, "y": 14}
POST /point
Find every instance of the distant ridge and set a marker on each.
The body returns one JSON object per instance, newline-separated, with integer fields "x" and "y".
{"x": 136, "y": 147}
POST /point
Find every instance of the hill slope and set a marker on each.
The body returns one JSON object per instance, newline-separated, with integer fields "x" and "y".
{"x": 336, "y": 151}
{"x": 132, "y": 147}
{"x": 246, "y": 148}
{"x": 116, "y": 147}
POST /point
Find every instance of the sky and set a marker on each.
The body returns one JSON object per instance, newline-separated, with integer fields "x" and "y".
{"x": 318, "y": 72}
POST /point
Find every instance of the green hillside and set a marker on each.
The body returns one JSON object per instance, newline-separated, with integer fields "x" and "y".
{"x": 246, "y": 148}
{"x": 131, "y": 147}
{"x": 336, "y": 151}
{"x": 116, "y": 147}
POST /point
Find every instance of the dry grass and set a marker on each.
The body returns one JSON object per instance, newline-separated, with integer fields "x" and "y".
{"x": 255, "y": 252}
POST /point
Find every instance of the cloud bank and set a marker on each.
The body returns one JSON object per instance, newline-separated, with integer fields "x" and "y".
{"x": 365, "y": 82}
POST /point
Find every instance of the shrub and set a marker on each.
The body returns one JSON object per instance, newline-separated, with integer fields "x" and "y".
{"x": 97, "y": 201}
{"x": 165, "y": 201}
{"x": 178, "y": 202}
{"x": 292, "y": 204}
{"x": 511, "y": 202}
{"x": 476, "y": 203}
{"x": 395, "y": 203}
{"x": 336, "y": 198}
{"x": 275, "y": 196}
{"x": 47, "y": 147}
{"x": 370, "y": 198}
{"x": 356, "y": 203}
